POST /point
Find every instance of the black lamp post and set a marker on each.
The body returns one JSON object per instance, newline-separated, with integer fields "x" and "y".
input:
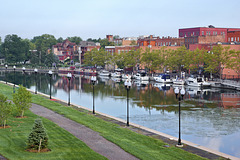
{"x": 36, "y": 71}
{"x": 179, "y": 97}
{"x": 14, "y": 68}
{"x": 69, "y": 76}
{"x": 50, "y": 77}
{"x": 93, "y": 80}
{"x": 24, "y": 75}
{"x": 128, "y": 85}
{"x": 6, "y": 72}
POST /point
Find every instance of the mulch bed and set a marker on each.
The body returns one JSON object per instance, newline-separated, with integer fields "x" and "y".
{"x": 1, "y": 127}
{"x": 36, "y": 150}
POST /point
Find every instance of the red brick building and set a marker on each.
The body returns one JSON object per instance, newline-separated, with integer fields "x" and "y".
{"x": 85, "y": 46}
{"x": 205, "y": 35}
{"x": 164, "y": 41}
{"x": 64, "y": 50}
{"x": 233, "y": 36}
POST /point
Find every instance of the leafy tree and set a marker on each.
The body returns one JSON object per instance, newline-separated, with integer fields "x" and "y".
{"x": 50, "y": 59}
{"x": 38, "y": 138}
{"x": 133, "y": 43}
{"x": 118, "y": 59}
{"x": 105, "y": 42}
{"x": 75, "y": 39}
{"x": 234, "y": 62}
{"x": 218, "y": 59}
{"x": 14, "y": 49}
{"x": 43, "y": 44}
{"x": 22, "y": 100}
{"x": 88, "y": 57}
{"x": 116, "y": 37}
{"x": 60, "y": 40}
{"x": 96, "y": 58}
{"x": 5, "y": 110}
{"x": 132, "y": 58}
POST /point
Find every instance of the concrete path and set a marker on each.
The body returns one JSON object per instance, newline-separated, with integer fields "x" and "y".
{"x": 88, "y": 136}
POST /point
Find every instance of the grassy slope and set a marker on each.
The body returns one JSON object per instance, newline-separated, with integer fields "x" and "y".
{"x": 141, "y": 146}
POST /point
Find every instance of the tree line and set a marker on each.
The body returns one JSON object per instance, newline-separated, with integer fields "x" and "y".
{"x": 37, "y": 50}
{"x": 168, "y": 59}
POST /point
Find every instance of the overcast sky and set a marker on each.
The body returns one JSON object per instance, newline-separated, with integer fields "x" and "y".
{"x": 97, "y": 18}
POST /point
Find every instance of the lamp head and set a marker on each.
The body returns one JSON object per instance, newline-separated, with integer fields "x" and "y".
{"x": 176, "y": 91}
{"x": 69, "y": 75}
{"x": 182, "y": 92}
{"x": 50, "y": 72}
{"x": 128, "y": 84}
{"x": 93, "y": 79}
{"x": 35, "y": 70}
{"x": 14, "y": 67}
{"x": 6, "y": 65}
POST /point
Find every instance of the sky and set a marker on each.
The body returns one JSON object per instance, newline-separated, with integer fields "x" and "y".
{"x": 126, "y": 18}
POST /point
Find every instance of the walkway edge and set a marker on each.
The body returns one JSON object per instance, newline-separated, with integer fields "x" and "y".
{"x": 145, "y": 128}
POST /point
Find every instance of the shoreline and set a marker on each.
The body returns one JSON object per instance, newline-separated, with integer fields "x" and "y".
{"x": 194, "y": 148}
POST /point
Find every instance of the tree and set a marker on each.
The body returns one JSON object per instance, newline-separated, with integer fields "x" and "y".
{"x": 219, "y": 58}
{"x": 38, "y": 138}
{"x": 43, "y": 44}
{"x": 132, "y": 58}
{"x": 60, "y": 40}
{"x": 105, "y": 42}
{"x": 96, "y": 58}
{"x": 22, "y": 100}
{"x": 133, "y": 43}
{"x": 234, "y": 62}
{"x": 14, "y": 49}
{"x": 75, "y": 39}
{"x": 50, "y": 59}
{"x": 5, "y": 110}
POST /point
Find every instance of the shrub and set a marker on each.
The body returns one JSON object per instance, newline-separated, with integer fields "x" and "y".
{"x": 5, "y": 110}
{"x": 38, "y": 138}
{"x": 22, "y": 100}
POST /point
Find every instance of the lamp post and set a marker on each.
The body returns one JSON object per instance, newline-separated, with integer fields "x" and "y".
{"x": 50, "y": 77}
{"x": 127, "y": 84}
{"x": 14, "y": 68}
{"x": 6, "y": 72}
{"x": 179, "y": 97}
{"x": 93, "y": 80}
{"x": 24, "y": 74}
{"x": 69, "y": 76}
{"x": 36, "y": 71}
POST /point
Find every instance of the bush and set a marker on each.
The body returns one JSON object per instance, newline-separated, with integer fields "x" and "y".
{"x": 5, "y": 110}
{"x": 22, "y": 100}
{"x": 38, "y": 138}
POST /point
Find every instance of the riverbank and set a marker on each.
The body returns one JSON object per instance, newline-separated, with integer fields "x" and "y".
{"x": 131, "y": 143}
{"x": 141, "y": 146}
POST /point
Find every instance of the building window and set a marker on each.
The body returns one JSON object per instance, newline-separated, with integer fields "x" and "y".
{"x": 223, "y": 33}
{"x": 193, "y": 33}
{"x": 228, "y": 39}
{"x": 231, "y": 39}
{"x": 202, "y": 33}
{"x": 238, "y": 39}
{"x": 216, "y": 33}
{"x": 235, "y": 38}
{"x": 161, "y": 43}
{"x": 166, "y": 43}
{"x": 119, "y": 51}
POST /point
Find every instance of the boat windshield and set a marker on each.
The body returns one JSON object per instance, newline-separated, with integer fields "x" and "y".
{"x": 199, "y": 79}
{"x": 143, "y": 74}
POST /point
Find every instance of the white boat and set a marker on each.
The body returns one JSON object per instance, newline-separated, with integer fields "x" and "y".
{"x": 162, "y": 86}
{"x": 163, "y": 78}
{"x": 126, "y": 76}
{"x": 141, "y": 77}
{"x": 104, "y": 73}
{"x": 197, "y": 82}
{"x": 178, "y": 81}
{"x": 116, "y": 75}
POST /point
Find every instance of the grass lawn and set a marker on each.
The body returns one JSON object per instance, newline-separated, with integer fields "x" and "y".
{"x": 141, "y": 146}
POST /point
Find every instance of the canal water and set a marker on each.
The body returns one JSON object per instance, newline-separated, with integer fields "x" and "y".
{"x": 209, "y": 117}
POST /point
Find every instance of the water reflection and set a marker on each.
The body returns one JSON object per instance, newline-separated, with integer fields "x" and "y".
{"x": 210, "y": 117}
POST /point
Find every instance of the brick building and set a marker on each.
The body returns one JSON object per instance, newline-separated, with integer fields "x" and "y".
{"x": 84, "y": 47}
{"x": 233, "y": 36}
{"x": 205, "y": 35}
{"x": 64, "y": 50}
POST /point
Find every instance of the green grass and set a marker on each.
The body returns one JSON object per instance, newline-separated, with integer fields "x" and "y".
{"x": 63, "y": 145}
{"x": 141, "y": 146}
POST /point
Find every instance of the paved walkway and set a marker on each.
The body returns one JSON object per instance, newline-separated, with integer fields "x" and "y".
{"x": 88, "y": 136}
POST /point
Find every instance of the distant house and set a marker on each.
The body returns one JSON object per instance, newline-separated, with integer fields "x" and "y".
{"x": 65, "y": 50}
{"x": 84, "y": 47}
